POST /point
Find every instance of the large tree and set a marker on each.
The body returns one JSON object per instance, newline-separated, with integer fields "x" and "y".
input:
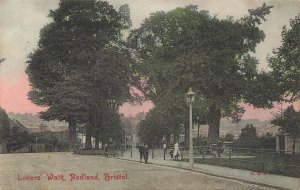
{"x": 81, "y": 68}
{"x": 285, "y": 62}
{"x": 186, "y": 47}
{"x": 151, "y": 129}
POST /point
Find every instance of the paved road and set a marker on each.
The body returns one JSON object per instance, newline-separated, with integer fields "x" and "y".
{"x": 31, "y": 171}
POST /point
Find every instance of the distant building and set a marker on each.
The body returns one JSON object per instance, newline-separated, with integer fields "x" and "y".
{"x": 3, "y": 149}
{"x": 61, "y": 132}
{"x": 15, "y": 125}
{"x": 16, "y": 128}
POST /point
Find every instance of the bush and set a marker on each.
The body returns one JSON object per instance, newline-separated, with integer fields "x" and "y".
{"x": 202, "y": 141}
{"x": 229, "y": 137}
{"x": 267, "y": 141}
{"x": 248, "y": 138}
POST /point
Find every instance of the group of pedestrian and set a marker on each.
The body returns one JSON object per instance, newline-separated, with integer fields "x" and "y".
{"x": 144, "y": 153}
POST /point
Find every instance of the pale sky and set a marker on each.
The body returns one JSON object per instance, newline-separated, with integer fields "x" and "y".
{"x": 21, "y": 21}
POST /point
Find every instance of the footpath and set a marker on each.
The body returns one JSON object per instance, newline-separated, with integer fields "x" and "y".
{"x": 263, "y": 179}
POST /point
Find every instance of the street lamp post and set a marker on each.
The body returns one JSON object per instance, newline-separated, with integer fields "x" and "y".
{"x": 198, "y": 136}
{"x": 190, "y": 97}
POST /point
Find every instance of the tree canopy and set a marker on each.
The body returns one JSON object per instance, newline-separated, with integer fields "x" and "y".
{"x": 285, "y": 62}
{"x": 186, "y": 48}
{"x": 289, "y": 121}
{"x": 82, "y": 70}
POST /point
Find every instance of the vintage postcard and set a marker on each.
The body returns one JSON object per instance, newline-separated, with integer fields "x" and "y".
{"x": 149, "y": 94}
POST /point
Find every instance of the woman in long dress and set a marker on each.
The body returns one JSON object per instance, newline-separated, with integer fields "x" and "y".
{"x": 176, "y": 151}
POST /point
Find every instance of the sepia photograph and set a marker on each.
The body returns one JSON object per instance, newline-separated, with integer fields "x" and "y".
{"x": 149, "y": 94}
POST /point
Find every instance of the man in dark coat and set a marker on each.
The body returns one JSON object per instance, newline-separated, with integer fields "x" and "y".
{"x": 141, "y": 150}
{"x": 146, "y": 154}
{"x": 106, "y": 150}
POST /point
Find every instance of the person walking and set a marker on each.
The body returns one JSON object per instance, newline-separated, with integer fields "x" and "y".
{"x": 106, "y": 150}
{"x": 171, "y": 152}
{"x": 165, "y": 150}
{"x": 141, "y": 151}
{"x": 146, "y": 154}
{"x": 176, "y": 151}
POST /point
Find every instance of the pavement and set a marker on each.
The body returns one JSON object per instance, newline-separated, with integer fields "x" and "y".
{"x": 263, "y": 179}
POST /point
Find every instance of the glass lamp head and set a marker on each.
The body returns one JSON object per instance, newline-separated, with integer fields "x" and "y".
{"x": 190, "y": 96}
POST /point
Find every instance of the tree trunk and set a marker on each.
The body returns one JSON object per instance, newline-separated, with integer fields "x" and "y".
{"x": 97, "y": 140}
{"x": 72, "y": 134}
{"x": 213, "y": 120}
{"x": 176, "y": 137}
{"x": 168, "y": 139}
{"x": 294, "y": 147}
{"x": 88, "y": 142}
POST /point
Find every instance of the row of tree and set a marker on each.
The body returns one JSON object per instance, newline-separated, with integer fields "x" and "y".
{"x": 189, "y": 48}
{"x": 83, "y": 69}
